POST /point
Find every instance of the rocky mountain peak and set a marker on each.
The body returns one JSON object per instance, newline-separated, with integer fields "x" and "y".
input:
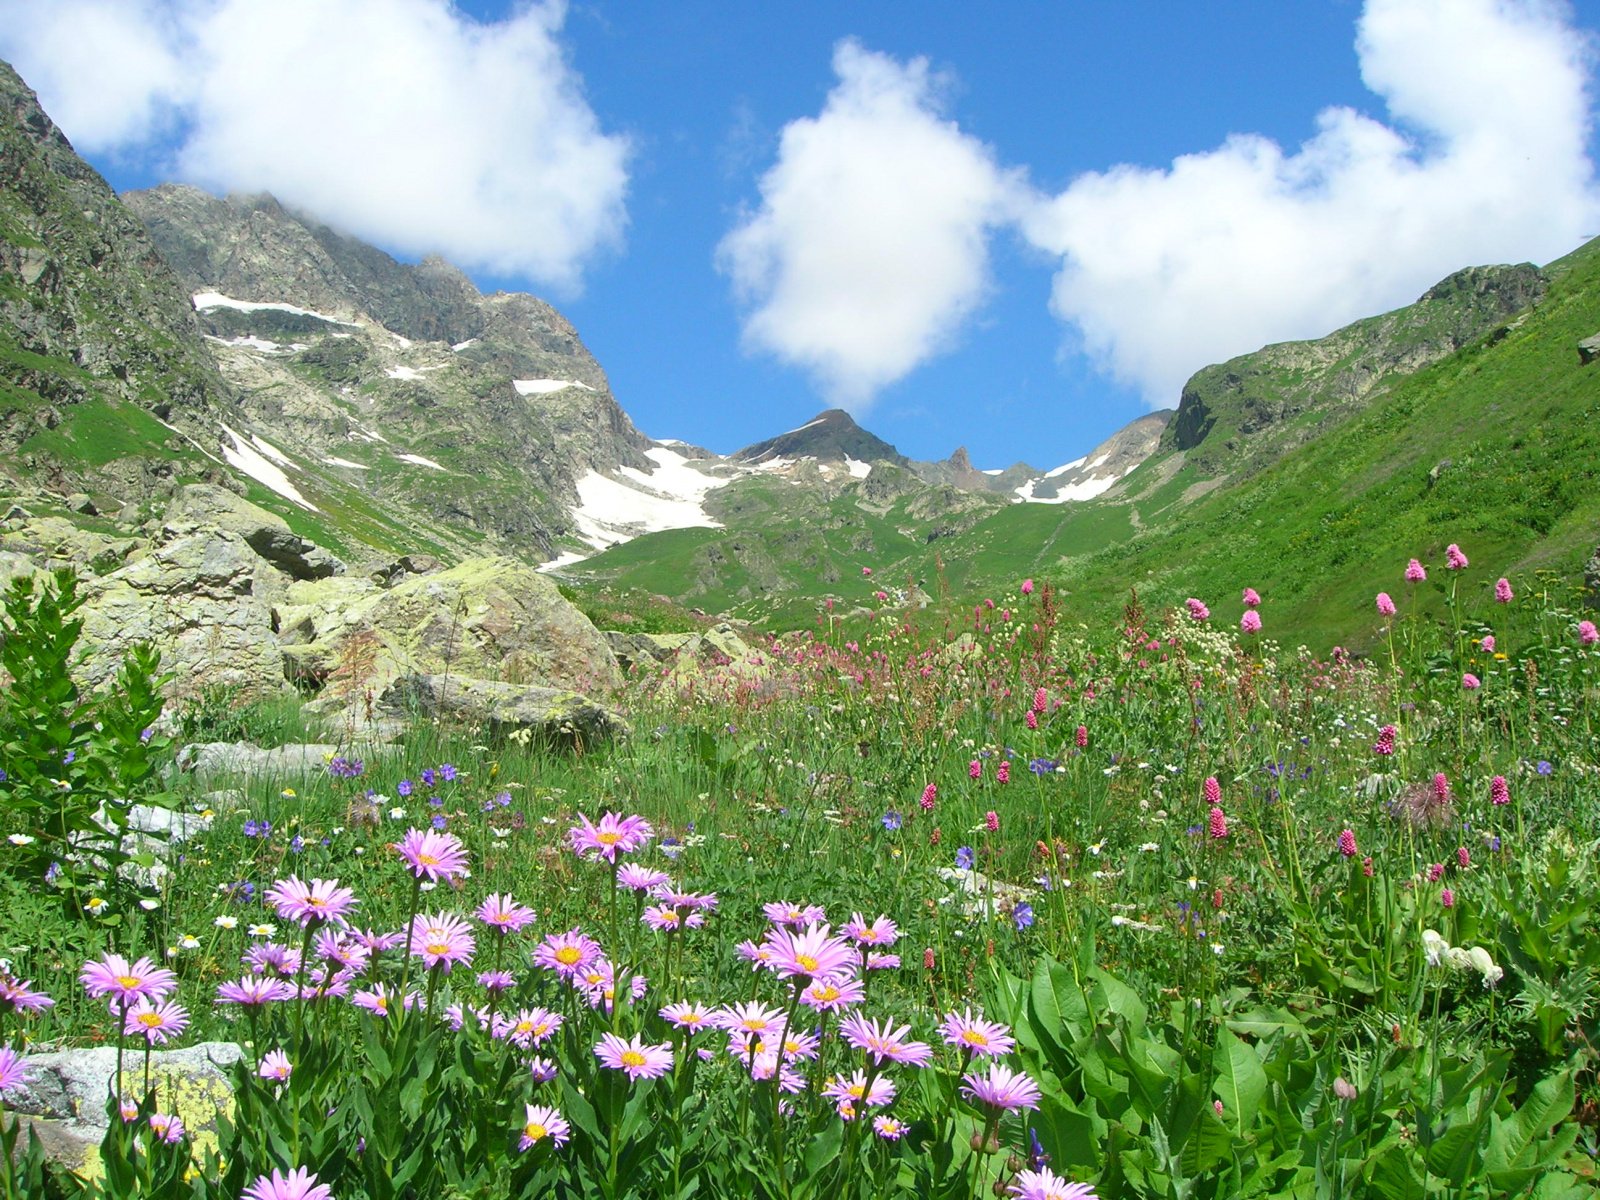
{"x": 831, "y": 436}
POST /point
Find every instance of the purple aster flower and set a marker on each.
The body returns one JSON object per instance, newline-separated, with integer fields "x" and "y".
{"x": 299, "y": 1184}
{"x": 1002, "y": 1088}
{"x": 639, "y": 1059}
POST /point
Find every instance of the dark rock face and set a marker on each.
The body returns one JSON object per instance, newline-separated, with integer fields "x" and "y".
{"x": 830, "y": 436}
{"x": 1267, "y": 402}
{"x": 1589, "y": 349}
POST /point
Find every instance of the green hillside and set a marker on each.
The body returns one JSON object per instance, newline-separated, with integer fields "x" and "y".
{"x": 1495, "y": 446}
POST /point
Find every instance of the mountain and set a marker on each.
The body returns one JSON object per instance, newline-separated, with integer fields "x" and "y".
{"x": 830, "y": 437}
{"x": 103, "y": 373}
{"x": 480, "y": 414}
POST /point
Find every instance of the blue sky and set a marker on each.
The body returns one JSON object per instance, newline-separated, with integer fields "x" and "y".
{"x": 1013, "y": 227}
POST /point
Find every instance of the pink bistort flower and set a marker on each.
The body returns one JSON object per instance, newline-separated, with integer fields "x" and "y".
{"x": 1250, "y": 622}
{"x": 1502, "y": 591}
{"x": 1212, "y": 790}
{"x": 1588, "y": 635}
{"x": 1415, "y": 572}
{"x": 1197, "y": 610}
{"x": 1027, "y": 587}
{"x": 1470, "y": 682}
{"x": 1488, "y": 643}
{"x": 1347, "y": 843}
{"x": 1386, "y": 606}
{"x": 1499, "y": 790}
{"x": 1219, "y": 823}
{"x": 1252, "y": 598}
{"x": 1453, "y": 558}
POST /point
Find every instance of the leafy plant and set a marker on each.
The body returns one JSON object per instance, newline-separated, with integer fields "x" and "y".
{"x": 74, "y": 763}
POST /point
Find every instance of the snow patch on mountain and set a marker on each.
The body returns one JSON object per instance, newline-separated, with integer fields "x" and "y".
{"x": 208, "y": 300}
{"x": 245, "y": 457}
{"x": 543, "y": 387}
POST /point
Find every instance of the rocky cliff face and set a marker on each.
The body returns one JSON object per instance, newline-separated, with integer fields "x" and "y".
{"x": 1241, "y": 412}
{"x": 95, "y": 330}
{"x": 478, "y": 412}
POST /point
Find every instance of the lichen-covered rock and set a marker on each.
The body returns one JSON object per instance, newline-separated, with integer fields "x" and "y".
{"x": 719, "y": 650}
{"x": 245, "y": 759}
{"x": 66, "y": 1096}
{"x": 486, "y": 618}
{"x": 196, "y": 597}
{"x": 266, "y": 533}
{"x": 551, "y": 715}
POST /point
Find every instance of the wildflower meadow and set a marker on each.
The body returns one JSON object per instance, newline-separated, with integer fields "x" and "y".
{"x": 1000, "y": 900}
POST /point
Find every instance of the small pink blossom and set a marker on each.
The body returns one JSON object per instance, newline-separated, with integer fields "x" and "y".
{"x": 1250, "y": 622}
{"x": 929, "y": 795}
{"x": 1003, "y": 772}
{"x": 1447, "y": 898}
{"x": 1027, "y": 587}
{"x": 1212, "y": 790}
{"x": 1081, "y": 737}
{"x": 1502, "y": 591}
{"x": 1197, "y": 610}
{"x": 1252, "y": 598}
{"x": 1488, "y": 643}
{"x": 1415, "y": 573}
{"x": 991, "y": 821}
{"x": 1453, "y": 558}
{"x": 1347, "y": 843}
{"x": 1219, "y": 823}
{"x": 1470, "y": 682}
{"x": 1386, "y": 606}
{"x": 1588, "y": 635}
{"x": 975, "y": 769}
{"x": 1499, "y": 791}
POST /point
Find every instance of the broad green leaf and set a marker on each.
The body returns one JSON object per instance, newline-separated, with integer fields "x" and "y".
{"x": 1241, "y": 1082}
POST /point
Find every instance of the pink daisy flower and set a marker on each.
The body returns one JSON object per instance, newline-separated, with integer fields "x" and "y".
{"x": 18, "y": 996}
{"x": 126, "y": 982}
{"x": 976, "y": 1035}
{"x": 882, "y": 1041}
{"x": 882, "y": 962}
{"x": 612, "y": 836}
{"x": 688, "y": 1015}
{"x": 379, "y": 1000}
{"x": 541, "y": 1122}
{"x": 665, "y": 917}
{"x": 504, "y": 915}
{"x": 639, "y": 1059}
{"x": 273, "y": 958}
{"x": 541, "y": 1070}
{"x": 854, "y": 1089}
{"x": 310, "y": 903}
{"x": 529, "y": 1027}
{"x": 433, "y": 854}
{"x": 1045, "y": 1184}
{"x": 1002, "y": 1088}
{"x": 811, "y": 954}
{"x": 566, "y": 953}
{"x": 833, "y": 993}
{"x": 496, "y": 982}
{"x": 759, "y": 954}
{"x": 795, "y": 916}
{"x": 275, "y": 1064}
{"x": 641, "y": 879}
{"x": 14, "y": 1070}
{"x": 441, "y": 939}
{"x": 253, "y": 991}
{"x": 168, "y": 1128}
{"x": 155, "y": 1020}
{"x": 889, "y": 1129}
{"x": 298, "y": 1184}
{"x": 751, "y": 1017}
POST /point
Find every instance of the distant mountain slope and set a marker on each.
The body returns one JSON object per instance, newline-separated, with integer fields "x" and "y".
{"x": 831, "y": 436}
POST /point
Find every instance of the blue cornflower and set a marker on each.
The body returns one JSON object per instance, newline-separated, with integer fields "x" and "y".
{"x": 1042, "y": 766}
{"x": 447, "y": 772}
{"x": 965, "y": 858}
{"x": 438, "y": 821}
{"x": 891, "y": 820}
{"x": 1544, "y": 767}
{"x": 503, "y": 799}
{"x": 403, "y": 787}
{"x": 1022, "y": 914}
{"x": 435, "y": 802}
{"x": 428, "y": 777}
{"x": 257, "y": 829}
{"x": 69, "y": 756}
{"x": 296, "y": 844}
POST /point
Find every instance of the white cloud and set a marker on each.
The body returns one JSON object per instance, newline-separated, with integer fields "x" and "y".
{"x": 1483, "y": 159}
{"x": 870, "y": 245}
{"x": 400, "y": 121}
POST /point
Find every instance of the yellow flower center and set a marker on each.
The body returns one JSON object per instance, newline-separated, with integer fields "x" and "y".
{"x": 806, "y": 961}
{"x": 427, "y": 860}
{"x": 437, "y": 947}
{"x": 973, "y": 1037}
{"x": 608, "y": 838}
{"x": 151, "y": 1020}
{"x": 533, "y": 1131}
{"x": 129, "y": 981}
{"x": 632, "y": 1058}
{"x": 568, "y": 955}
{"x": 825, "y": 993}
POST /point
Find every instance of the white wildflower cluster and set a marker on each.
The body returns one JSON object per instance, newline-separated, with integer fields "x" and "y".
{"x": 1442, "y": 954}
